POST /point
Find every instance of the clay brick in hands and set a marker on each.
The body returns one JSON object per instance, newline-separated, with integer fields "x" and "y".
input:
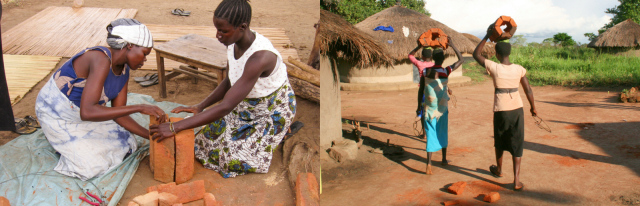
{"x": 185, "y": 154}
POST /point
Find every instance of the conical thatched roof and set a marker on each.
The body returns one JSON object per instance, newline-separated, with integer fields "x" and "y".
{"x": 339, "y": 37}
{"x": 489, "y": 49}
{"x": 623, "y": 34}
{"x": 417, "y": 23}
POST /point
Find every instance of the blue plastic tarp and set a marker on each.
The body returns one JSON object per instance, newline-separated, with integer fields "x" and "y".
{"x": 27, "y": 162}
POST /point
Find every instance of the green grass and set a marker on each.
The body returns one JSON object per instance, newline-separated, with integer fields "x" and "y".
{"x": 576, "y": 66}
{"x": 473, "y": 70}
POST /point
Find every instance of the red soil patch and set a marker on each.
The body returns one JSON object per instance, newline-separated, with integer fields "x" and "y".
{"x": 460, "y": 150}
{"x": 481, "y": 187}
{"x": 588, "y": 125}
{"x": 631, "y": 151}
{"x": 548, "y": 136}
{"x": 414, "y": 197}
{"x": 568, "y": 161}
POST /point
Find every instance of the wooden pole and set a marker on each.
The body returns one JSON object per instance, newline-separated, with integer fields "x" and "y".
{"x": 305, "y": 89}
{"x": 300, "y": 74}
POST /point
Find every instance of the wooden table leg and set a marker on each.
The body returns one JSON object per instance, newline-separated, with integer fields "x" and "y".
{"x": 161, "y": 77}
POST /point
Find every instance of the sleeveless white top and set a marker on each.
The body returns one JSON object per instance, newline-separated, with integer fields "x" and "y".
{"x": 265, "y": 85}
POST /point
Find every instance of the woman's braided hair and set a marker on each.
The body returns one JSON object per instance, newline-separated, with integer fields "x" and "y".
{"x": 235, "y": 12}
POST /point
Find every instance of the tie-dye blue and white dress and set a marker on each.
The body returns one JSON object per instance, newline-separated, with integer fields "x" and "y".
{"x": 87, "y": 149}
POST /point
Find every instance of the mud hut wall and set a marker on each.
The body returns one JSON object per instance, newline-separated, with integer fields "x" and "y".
{"x": 330, "y": 117}
{"x": 401, "y": 72}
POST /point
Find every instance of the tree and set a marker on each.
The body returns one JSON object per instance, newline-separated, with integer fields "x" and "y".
{"x": 591, "y": 36}
{"x": 355, "y": 11}
{"x": 628, "y": 9}
{"x": 548, "y": 42}
{"x": 563, "y": 39}
{"x": 518, "y": 40}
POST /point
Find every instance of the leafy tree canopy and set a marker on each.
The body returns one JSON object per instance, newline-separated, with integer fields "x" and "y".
{"x": 355, "y": 11}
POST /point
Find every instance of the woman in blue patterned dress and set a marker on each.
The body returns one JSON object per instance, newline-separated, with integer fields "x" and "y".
{"x": 256, "y": 103}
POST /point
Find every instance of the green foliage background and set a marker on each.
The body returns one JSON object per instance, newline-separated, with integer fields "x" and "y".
{"x": 355, "y": 11}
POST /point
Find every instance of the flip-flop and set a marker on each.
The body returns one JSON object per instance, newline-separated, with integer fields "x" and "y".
{"x": 493, "y": 169}
{"x": 150, "y": 82}
{"x": 518, "y": 189}
{"x": 180, "y": 12}
{"x": 146, "y": 77}
{"x": 295, "y": 127}
{"x": 22, "y": 127}
{"x": 32, "y": 121}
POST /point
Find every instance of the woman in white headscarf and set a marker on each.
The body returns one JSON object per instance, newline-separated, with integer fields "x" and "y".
{"x": 91, "y": 137}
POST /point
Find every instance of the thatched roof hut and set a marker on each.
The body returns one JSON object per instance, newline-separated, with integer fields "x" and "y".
{"x": 489, "y": 49}
{"x": 623, "y": 34}
{"x": 338, "y": 37}
{"x": 408, "y": 25}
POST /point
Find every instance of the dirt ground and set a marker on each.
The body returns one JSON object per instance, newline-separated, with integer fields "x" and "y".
{"x": 254, "y": 189}
{"x": 591, "y": 157}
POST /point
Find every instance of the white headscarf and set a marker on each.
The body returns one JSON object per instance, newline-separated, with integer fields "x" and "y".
{"x": 125, "y": 30}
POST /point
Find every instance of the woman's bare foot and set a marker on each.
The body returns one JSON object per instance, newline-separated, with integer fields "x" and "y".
{"x": 518, "y": 186}
{"x": 429, "y": 169}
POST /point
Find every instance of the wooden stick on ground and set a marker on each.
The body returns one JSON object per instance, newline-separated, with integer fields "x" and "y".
{"x": 304, "y": 66}
{"x": 305, "y": 89}
{"x": 300, "y": 74}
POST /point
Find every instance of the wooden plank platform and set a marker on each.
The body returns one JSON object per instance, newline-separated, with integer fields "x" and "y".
{"x": 164, "y": 33}
{"x": 25, "y": 71}
{"x": 62, "y": 31}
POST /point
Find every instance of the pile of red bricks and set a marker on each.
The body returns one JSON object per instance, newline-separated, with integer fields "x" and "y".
{"x": 172, "y": 159}
{"x": 171, "y": 194}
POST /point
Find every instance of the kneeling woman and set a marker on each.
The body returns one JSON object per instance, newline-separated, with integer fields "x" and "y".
{"x": 91, "y": 137}
{"x": 256, "y": 105}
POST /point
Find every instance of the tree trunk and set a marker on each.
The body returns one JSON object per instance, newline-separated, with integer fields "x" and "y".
{"x": 300, "y": 74}
{"x": 305, "y": 89}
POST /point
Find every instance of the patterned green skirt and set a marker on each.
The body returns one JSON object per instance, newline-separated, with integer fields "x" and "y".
{"x": 244, "y": 140}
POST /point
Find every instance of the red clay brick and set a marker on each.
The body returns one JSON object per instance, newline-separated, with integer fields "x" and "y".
{"x": 492, "y": 197}
{"x": 167, "y": 199}
{"x": 164, "y": 160}
{"x": 152, "y": 121}
{"x": 307, "y": 190}
{"x": 457, "y": 188}
{"x": 451, "y": 202}
{"x": 132, "y": 203}
{"x": 4, "y": 201}
{"x": 186, "y": 192}
{"x": 160, "y": 187}
{"x": 209, "y": 200}
{"x": 185, "y": 141}
{"x": 149, "y": 199}
{"x": 179, "y": 204}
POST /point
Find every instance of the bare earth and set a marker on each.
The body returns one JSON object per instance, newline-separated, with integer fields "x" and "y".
{"x": 296, "y": 17}
{"x": 591, "y": 157}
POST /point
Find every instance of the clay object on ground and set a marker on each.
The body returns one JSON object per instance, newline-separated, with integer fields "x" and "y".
{"x": 508, "y": 32}
{"x": 492, "y": 197}
{"x": 457, "y": 188}
{"x": 4, "y": 201}
{"x": 307, "y": 190}
{"x": 434, "y": 37}
{"x": 451, "y": 202}
{"x": 185, "y": 155}
{"x": 186, "y": 192}
{"x": 148, "y": 199}
{"x": 209, "y": 200}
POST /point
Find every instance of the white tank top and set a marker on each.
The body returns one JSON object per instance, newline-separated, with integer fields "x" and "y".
{"x": 265, "y": 85}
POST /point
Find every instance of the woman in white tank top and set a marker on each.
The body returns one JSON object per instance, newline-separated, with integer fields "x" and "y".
{"x": 256, "y": 101}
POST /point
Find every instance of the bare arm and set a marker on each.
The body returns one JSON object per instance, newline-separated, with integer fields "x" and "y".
{"x": 256, "y": 65}
{"x": 90, "y": 110}
{"x": 527, "y": 90}
{"x": 457, "y": 64}
{"x": 476, "y": 53}
{"x": 126, "y": 121}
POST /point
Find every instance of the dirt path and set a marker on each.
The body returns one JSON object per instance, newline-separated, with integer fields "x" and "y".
{"x": 592, "y": 156}
{"x": 296, "y": 17}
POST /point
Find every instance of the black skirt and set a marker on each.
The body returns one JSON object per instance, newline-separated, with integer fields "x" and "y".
{"x": 508, "y": 131}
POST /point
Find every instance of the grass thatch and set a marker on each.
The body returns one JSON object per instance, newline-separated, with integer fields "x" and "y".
{"x": 417, "y": 23}
{"x": 489, "y": 49}
{"x": 341, "y": 39}
{"x": 623, "y": 34}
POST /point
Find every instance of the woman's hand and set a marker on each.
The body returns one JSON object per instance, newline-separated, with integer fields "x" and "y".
{"x": 195, "y": 109}
{"x": 160, "y": 132}
{"x": 534, "y": 112}
{"x": 153, "y": 110}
